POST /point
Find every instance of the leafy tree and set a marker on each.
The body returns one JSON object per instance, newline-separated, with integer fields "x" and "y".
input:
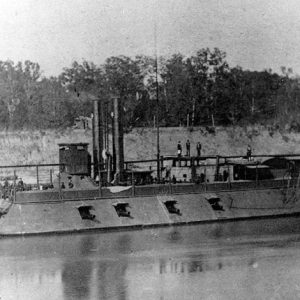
{"x": 177, "y": 90}
{"x": 124, "y": 79}
{"x": 18, "y": 84}
{"x": 201, "y": 87}
{"x": 51, "y": 106}
{"x": 83, "y": 82}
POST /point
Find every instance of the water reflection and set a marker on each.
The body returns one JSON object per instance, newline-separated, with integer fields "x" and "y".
{"x": 76, "y": 276}
{"x": 123, "y": 243}
{"x": 111, "y": 281}
{"x": 86, "y": 245}
{"x": 220, "y": 261}
{"x": 173, "y": 267}
{"x": 112, "y": 277}
{"x": 174, "y": 235}
{"x": 77, "y": 270}
{"x": 86, "y": 275}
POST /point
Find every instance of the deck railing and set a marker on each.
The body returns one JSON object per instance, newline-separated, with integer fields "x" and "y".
{"x": 45, "y": 178}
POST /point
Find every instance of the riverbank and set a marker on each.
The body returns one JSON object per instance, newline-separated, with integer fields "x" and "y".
{"x": 31, "y": 147}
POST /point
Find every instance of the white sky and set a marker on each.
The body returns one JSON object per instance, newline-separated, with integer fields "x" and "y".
{"x": 256, "y": 34}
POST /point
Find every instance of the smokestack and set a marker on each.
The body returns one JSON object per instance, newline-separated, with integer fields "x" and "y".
{"x": 97, "y": 137}
{"x": 118, "y": 139}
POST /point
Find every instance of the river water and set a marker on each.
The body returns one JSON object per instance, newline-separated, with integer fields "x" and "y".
{"x": 236, "y": 260}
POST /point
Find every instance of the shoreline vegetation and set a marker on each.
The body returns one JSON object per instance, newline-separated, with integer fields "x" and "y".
{"x": 197, "y": 90}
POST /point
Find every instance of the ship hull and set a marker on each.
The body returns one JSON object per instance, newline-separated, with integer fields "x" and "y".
{"x": 92, "y": 214}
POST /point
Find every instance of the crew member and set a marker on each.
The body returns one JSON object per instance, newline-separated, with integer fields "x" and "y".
{"x": 174, "y": 180}
{"x": 21, "y": 185}
{"x": 188, "y": 148}
{"x": 179, "y": 149}
{"x": 249, "y": 152}
{"x": 168, "y": 172}
{"x": 6, "y": 183}
{"x": 198, "y": 147}
{"x": 70, "y": 183}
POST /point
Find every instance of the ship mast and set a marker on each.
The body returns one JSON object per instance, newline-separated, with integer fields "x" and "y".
{"x": 157, "y": 106}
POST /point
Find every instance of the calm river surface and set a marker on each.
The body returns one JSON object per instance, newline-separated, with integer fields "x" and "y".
{"x": 240, "y": 260}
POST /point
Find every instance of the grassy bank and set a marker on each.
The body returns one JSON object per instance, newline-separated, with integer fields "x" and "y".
{"x": 30, "y": 147}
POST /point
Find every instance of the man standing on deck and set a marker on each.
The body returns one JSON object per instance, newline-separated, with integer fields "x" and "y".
{"x": 179, "y": 149}
{"x": 198, "y": 147}
{"x": 249, "y": 152}
{"x": 188, "y": 148}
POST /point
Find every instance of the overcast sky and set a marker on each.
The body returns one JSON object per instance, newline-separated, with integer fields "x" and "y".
{"x": 255, "y": 34}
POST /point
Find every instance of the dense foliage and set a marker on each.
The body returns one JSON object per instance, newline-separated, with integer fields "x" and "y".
{"x": 190, "y": 91}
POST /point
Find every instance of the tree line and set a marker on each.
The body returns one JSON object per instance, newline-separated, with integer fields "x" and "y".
{"x": 200, "y": 90}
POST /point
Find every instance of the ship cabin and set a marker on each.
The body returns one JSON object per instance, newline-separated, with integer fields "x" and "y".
{"x": 282, "y": 167}
{"x": 251, "y": 171}
{"x": 141, "y": 177}
{"x": 184, "y": 169}
{"x": 216, "y": 169}
{"x": 75, "y": 158}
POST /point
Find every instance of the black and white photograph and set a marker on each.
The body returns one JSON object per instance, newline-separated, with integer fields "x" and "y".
{"x": 149, "y": 149}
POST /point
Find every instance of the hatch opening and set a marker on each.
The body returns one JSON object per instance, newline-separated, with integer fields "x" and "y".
{"x": 85, "y": 212}
{"x": 215, "y": 202}
{"x": 122, "y": 209}
{"x": 171, "y": 207}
